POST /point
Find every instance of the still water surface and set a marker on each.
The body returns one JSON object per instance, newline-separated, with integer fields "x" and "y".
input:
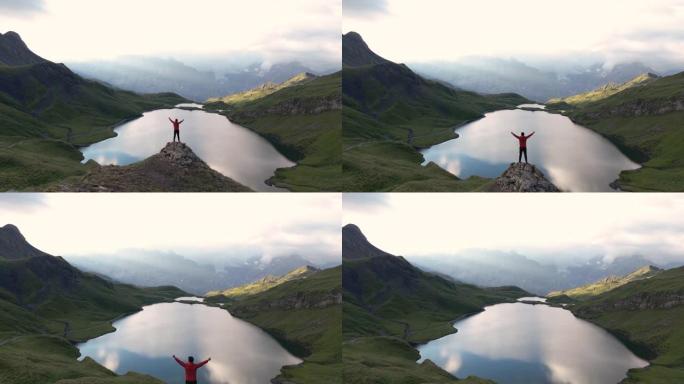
{"x": 228, "y": 148}
{"x": 517, "y": 343}
{"x": 145, "y": 341}
{"x": 573, "y": 157}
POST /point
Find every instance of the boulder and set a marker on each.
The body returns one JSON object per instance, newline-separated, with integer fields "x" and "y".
{"x": 522, "y": 177}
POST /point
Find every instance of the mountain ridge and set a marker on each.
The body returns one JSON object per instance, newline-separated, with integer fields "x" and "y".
{"x": 606, "y": 284}
{"x": 14, "y": 52}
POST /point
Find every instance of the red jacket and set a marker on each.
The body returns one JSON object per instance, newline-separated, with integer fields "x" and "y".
{"x": 190, "y": 368}
{"x": 176, "y": 124}
{"x": 522, "y": 140}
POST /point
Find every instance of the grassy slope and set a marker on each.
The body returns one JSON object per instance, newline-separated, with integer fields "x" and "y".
{"x": 604, "y": 91}
{"x": 262, "y": 284}
{"x": 40, "y": 319}
{"x": 390, "y": 306}
{"x": 313, "y": 334}
{"x": 313, "y": 139}
{"x": 241, "y": 98}
{"x": 654, "y": 332}
{"x": 591, "y": 290}
{"x": 652, "y": 138}
{"x": 381, "y": 103}
{"x": 46, "y": 110}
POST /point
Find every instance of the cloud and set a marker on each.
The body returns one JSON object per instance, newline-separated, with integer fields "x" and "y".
{"x": 21, "y": 202}
{"x": 22, "y": 7}
{"x": 434, "y": 30}
{"x": 607, "y": 225}
{"x": 295, "y": 29}
{"x": 364, "y": 8}
{"x": 364, "y": 201}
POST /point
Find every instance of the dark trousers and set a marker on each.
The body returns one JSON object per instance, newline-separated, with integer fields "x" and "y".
{"x": 520, "y": 154}
{"x": 176, "y": 134}
{"x": 186, "y": 381}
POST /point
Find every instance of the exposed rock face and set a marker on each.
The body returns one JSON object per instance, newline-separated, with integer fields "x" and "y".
{"x": 175, "y": 169}
{"x": 13, "y": 51}
{"x": 356, "y": 246}
{"x": 640, "y": 301}
{"x": 636, "y": 108}
{"x": 14, "y": 246}
{"x": 299, "y": 300}
{"x": 521, "y": 177}
{"x": 355, "y": 51}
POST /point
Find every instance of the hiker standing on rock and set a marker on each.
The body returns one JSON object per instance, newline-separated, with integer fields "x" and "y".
{"x": 176, "y": 128}
{"x": 522, "y": 140}
{"x": 190, "y": 368}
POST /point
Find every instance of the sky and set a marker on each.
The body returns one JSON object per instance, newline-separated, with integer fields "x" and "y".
{"x": 542, "y": 226}
{"x": 445, "y": 30}
{"x": 193, "y": 225}
{"x": 81, "y": 30}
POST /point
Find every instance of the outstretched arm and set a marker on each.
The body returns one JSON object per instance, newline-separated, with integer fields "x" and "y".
{"x": 530, "y": 135}
{"x": 170, "y": 120}
{"x": 181, "y": 121}
{"x": 203, "y": 362}
{"x": 179, "y": 361}
{"x": 514, "y": 135}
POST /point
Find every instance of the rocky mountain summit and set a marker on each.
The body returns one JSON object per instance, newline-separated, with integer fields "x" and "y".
{"x": 175, "y": 168}
{"x": 522, "y": 177}
{"x": 13, "y": 245}
{"x": 14, "y": 52}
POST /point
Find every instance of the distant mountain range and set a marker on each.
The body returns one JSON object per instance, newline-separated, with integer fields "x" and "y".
{"x": 495, "y": 269}
{"x": 151, "y": 269}
{"x": 492, "y": 75}
{"x": 150, "y": 75}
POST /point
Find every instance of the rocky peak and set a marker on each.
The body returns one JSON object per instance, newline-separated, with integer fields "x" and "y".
{"x": 356, "y": 246}
{"x": 179, "y": 154}
{"x": 13, "y": 245}
{"x": 522, "y": 177}
{"x": 356, "y": 53}
{"x": 14, "y": 52}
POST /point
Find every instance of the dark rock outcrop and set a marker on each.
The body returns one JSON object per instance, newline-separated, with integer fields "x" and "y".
{"x": 355, "y": 52}
{"x": 521, "y": 177}
{"x": 13, "y": 245}
{"x": 14, "y": 52}
{"x": 356, "y": 246}
{"x": 298, "y": 300}
{"x": 175, "y": 169}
